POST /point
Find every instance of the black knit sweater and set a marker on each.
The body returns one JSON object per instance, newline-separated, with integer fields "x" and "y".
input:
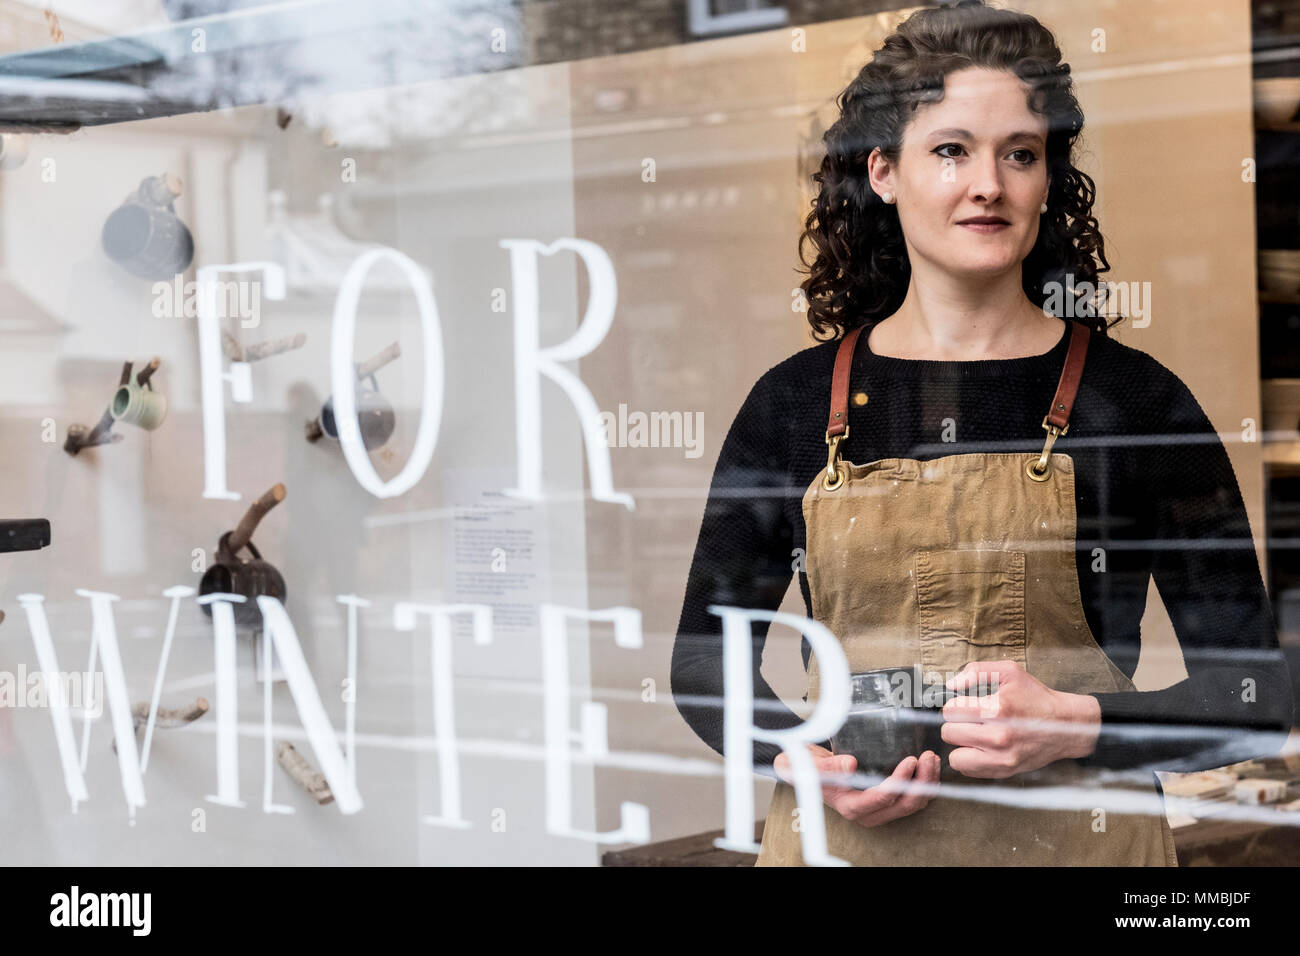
{"x": 1154, "y": 488}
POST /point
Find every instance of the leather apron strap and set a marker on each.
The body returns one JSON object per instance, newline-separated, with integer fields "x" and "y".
{"x": 1056, "y": 421}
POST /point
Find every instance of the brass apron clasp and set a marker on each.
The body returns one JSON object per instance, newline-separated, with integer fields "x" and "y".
{"x": 1037, "y": 468}
{"x": 834, "y": 477}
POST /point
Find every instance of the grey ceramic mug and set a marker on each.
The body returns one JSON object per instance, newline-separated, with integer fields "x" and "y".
{"x": 892, "y": 716}
{"x": 148, "y": 241}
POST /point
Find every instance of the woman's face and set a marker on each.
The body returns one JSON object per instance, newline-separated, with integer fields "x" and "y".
{"x": 979, "y": 152}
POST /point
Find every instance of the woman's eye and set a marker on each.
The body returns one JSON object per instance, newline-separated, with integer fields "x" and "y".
{"x": 1027, "y": 155}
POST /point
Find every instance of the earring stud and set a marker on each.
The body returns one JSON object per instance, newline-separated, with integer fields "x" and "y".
{"x": 888, "y": 197}
{"x": 1043, "y": 208}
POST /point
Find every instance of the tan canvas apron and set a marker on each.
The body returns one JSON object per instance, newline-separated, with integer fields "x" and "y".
{"x": 964, "y": 558}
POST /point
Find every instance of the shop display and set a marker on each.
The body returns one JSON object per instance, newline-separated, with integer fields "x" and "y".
{"x": 375, "y": 417}
{"x": 145, "y": 236}
{"x": 303, "y": 773}
{"x": 135, "y": 403}
{"x": 249, "y": 578}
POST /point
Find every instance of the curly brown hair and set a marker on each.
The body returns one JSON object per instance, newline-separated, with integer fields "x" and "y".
{"x": 861, "y": 270}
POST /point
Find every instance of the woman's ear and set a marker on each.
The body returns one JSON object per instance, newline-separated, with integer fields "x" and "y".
{"x": 878, "y": 179}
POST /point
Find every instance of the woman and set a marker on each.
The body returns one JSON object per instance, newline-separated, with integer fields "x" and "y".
{"x": 1025, "y": 476}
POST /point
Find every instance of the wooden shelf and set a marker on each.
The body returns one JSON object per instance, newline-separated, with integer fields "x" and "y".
{"x": 1206, "y": 842}
{"x": 1292, "y": 127}
{"x": 1282, "y": 454}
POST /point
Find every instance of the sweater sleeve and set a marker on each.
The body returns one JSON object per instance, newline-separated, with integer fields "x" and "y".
{"x": 743, "y": 558}
{"x": 1236, "y": 702}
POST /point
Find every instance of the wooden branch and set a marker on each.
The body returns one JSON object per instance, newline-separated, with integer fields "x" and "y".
{"x": 230, "y": 345}
{"x": 142, "y": 377}
{"x": 243, "y": 533}
{"x": 161, "y": 190}
{"x": 79, "y": 436}
{"x": 169, "y": 716}
{"x": 98, "y": 434}
{"x": 237, "y": 352}
{"x": 76, "y": 439}
{"x": 261, "y": 350}
{"x": 52, "y": 22}
{"x": 303, "y": 773}
{"x": 377, "y": 361}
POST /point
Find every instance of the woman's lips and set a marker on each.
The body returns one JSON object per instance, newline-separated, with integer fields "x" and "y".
{"x": 985, "y": 227}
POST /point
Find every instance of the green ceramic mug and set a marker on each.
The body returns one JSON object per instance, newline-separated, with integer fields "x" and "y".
{"x": 139, "y": 406}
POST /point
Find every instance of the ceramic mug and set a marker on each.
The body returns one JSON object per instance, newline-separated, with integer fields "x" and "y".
{"x": 229, "y": 574}
{"x": 375, "y": 418}
{"x": 148, "y": 241}
{"x": 139, "y": 406}
{"x": 892, "y": 716}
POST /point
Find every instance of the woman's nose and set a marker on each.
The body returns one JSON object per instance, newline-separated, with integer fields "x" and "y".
{"x": 986, "y": 183}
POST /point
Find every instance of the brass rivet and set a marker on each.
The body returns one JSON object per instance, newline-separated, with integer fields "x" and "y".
{"x": 860, "y": 398}
{"x": 839, "y": 414}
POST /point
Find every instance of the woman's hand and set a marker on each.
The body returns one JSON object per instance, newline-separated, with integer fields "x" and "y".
{"x": 1020, "y": 727}
{"x": 909, "y": 789}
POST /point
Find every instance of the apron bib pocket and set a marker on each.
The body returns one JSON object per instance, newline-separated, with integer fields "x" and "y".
{"x": 972, "y": 607}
